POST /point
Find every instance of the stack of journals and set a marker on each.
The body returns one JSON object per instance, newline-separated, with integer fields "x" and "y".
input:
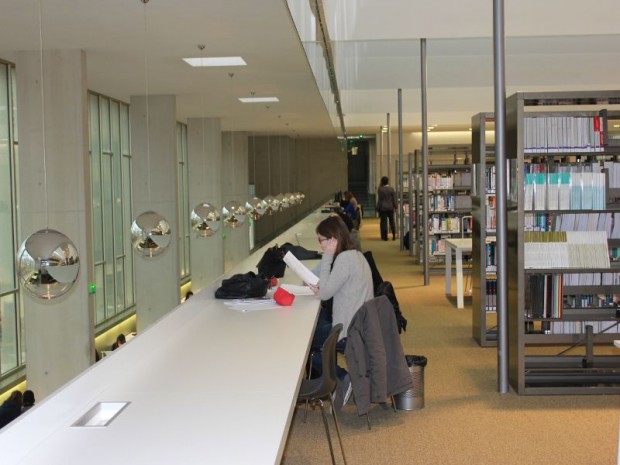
{"x": 565, "y": 249}
{"x": 564, "y": 187}
{"x": 556, "y": 134}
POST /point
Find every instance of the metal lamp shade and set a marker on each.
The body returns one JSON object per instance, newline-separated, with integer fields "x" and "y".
{"x": 233, "y": 214}
{"x": 205, "y": 220}
{"x": 150, "y": 234}
{"x": 48, "y": 264}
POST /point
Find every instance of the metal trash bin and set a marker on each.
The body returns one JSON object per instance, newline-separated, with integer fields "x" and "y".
{"x": 413, "y": 399}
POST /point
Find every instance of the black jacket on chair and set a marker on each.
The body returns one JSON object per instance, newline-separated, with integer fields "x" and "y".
{"x": 375, "y": 356}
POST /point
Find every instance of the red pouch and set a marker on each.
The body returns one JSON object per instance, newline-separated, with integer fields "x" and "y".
{"x": 283, "y": 297}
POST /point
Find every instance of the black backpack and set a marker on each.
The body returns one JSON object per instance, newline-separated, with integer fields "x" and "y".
{"x": 271, "y": 264}
{"x": 242, "y": 286}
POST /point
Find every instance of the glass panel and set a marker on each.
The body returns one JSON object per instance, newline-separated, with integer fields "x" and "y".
{"x": 187, "y": 267}
{"x": 127, "y": 220}
{"x": 125, "y": 140}
{"x": 181, "y": 198}
{"x": 100, "y": 294}
{"x": 110, "y": 300}
{"x": 117, "y": 178}
{"x": 7, "y": 253}
{"x": 108, "y": 239}
{"x": 111, "y": 198}
{"x": 105, "y": 124}
{"x": 95, "y": 171}
{"x": 13, "y": 87}
{"x": 120, "y": 285}
{"x": 8, "y": 333}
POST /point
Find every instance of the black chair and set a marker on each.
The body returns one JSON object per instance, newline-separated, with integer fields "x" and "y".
{"x": 315, "y": 391}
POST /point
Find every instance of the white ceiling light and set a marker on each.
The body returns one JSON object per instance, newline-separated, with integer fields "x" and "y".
{"x": 215, "y": 61}
{"x": 258, "y": 99}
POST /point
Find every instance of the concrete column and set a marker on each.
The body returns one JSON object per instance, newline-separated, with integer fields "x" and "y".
{"x": 59, "y": 333}
{"x": 204, "y": 140}
{"x": 156, "y": 279}
{"x": 234, "y": 175}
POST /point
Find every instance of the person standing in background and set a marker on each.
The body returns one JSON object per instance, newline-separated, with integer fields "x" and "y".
{"x": 386, "y": 204}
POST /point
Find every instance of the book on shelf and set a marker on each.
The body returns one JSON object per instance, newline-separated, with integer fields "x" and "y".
{"x": 491, "y": 211}
{"x": 545, "y": 296}
{"x": 491, "y": 295}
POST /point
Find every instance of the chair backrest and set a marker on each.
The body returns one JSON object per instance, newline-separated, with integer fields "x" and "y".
{"x": 328, "y": 356}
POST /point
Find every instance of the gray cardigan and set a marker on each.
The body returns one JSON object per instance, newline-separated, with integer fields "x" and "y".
{"x": 349, "y": 282}
{"x": 375, "y": 356}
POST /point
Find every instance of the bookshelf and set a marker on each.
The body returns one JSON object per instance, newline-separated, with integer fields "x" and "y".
{"x": 563, "y": 214}
{"x": 449, "y": 202}
{"x": 410, "y": 187}
{"x": 484, "y": 266}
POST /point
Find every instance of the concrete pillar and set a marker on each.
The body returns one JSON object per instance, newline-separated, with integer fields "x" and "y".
{"x": 59, "y": 333}
{"x": 204, "y": 141}
{"x": 154, "y": 182}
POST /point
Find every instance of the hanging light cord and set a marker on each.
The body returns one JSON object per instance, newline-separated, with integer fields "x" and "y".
{"x": 146, "y": 97}
{"x": 201, "y": 47}
{"x": 232, "y": 135}
{"x": 47, "y": 213}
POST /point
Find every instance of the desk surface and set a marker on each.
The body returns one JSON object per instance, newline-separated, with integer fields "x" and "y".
{"x": 463, "y": 244}
{"x": 206, "y": 384}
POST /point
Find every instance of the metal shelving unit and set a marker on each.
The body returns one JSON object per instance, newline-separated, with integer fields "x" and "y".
{"x": 568, "y": 353}
{"x": 484, "y": 269}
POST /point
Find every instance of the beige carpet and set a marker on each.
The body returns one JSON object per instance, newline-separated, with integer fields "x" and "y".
{"x": 465, "y": 420}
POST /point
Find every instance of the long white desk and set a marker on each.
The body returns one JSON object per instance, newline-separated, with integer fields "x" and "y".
{"x": 458, "y": 246}
{"x": 206, "y": 385}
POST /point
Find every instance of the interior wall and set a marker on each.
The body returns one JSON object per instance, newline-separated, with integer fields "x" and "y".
{"x": 317, "y": 167}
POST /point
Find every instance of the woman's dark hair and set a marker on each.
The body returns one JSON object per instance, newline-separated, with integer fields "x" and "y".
{"x": 16, "y": 396}
{"x": 334, "y": 227}
{"x": 28, "y": 398}
{"x": 384, "y": 181}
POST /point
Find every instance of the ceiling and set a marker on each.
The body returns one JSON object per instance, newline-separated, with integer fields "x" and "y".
{"x": 131, "y": 46}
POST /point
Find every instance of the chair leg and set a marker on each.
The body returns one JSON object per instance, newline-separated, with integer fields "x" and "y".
{"x": 309, "y": 375}
{"x": 329, "y": 439}
{"x": 338, "y": 431}
{"x": 368, "y": 420}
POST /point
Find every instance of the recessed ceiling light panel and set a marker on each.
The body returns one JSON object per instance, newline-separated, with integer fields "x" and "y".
{"x": 215, "y": 61}
{"x": 259, "y": 99}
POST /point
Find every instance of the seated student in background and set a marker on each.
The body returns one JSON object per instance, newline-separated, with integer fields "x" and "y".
{"x": 351, "y": 207}
{"x": 345, "y": 276}
{"x": 11, "y": 408}
{"x": 120, "y": 340}
{"x": 353, "y": 232}
{"x": 28, "y": 400}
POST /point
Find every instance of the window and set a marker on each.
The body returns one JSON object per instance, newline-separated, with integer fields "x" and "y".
{"x": 183, "y": 207}
{"x": 110, "y": 156}
{"x": 11, "y": 315}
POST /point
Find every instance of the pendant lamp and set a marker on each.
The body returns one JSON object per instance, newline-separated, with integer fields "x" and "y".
{"x": 205, "y": 220}
{"x": 233, "y": 214}
{"x": 256, "y": 208}
{"x": 48, "y": 263}
{"x": 150, "y": 231}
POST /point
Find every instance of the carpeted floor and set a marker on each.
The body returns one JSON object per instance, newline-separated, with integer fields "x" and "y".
{"x": 465, "y": 421}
